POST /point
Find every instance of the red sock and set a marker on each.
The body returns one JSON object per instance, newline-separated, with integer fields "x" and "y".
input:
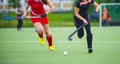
{"x": 40, "y": 35}
{"x": 49, "y": 39}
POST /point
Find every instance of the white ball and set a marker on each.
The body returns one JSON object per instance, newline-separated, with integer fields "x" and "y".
{"x": 65, "y": 53}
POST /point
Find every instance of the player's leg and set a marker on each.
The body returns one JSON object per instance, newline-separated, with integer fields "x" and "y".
{"x": 48, "y": 37}
{"x": 18, "y": 26}
{"x": 21, "y": 23}
{"x": 80, "y": 32}
{"x": 107, "y": 23}
{"x": 40, "y": 30}
{"x": 41, "y": 39}
{"x": 89, "y": 38}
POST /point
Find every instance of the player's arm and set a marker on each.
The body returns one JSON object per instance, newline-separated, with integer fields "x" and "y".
{"x": 26, "y": 9}
{"x": 51, "y": 6}
{"x": 96, "y": 6}
{"x": 76, "y": 11}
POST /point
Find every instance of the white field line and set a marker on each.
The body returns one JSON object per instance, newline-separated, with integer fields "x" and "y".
{"x": 33, "y": 41}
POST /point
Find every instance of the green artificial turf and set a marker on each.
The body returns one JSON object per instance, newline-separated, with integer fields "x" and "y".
{"x": 22, "y": 47}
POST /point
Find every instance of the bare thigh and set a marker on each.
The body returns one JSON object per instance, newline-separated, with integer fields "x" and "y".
{"x": 39, "y": 27}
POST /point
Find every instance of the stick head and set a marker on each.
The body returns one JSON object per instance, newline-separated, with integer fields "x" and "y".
{"x": 70, "y": 39}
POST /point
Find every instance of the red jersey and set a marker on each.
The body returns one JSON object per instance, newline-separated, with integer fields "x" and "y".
{"x": 36, "y": 7}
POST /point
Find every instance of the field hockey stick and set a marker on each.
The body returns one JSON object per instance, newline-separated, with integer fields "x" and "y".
{"x": 70, "y": 36}
{"x": 33, "y": 17}
{"x": 29, "y": 17}
{"x": 38, "y": 16}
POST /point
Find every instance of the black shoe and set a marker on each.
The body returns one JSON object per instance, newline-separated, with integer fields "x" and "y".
{"x": 90, "y": 50}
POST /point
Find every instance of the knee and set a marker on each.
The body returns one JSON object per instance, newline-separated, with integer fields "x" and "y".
{"x": 47, "y": 33}
{"x": 80, "y": 35}
{"x": 89, "y": 35}
{"x": 40, "y": 30}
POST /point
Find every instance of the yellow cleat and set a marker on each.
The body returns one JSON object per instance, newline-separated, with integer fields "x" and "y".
{"x": 42, "y": 41}
{"x": 52, "y": 48}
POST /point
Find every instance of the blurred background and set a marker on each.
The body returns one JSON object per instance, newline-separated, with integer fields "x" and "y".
{"x": 62, "y": 16}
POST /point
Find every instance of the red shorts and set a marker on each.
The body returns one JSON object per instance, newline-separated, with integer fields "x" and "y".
{"x": 41, "y": 20}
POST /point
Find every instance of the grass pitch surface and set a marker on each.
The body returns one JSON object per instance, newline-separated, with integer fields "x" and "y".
{"x": 22, "y": 47}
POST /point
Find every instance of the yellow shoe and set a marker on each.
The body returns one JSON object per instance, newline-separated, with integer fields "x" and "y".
{"x": 52, "y": 48}
{"x": 42, "y": 41}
